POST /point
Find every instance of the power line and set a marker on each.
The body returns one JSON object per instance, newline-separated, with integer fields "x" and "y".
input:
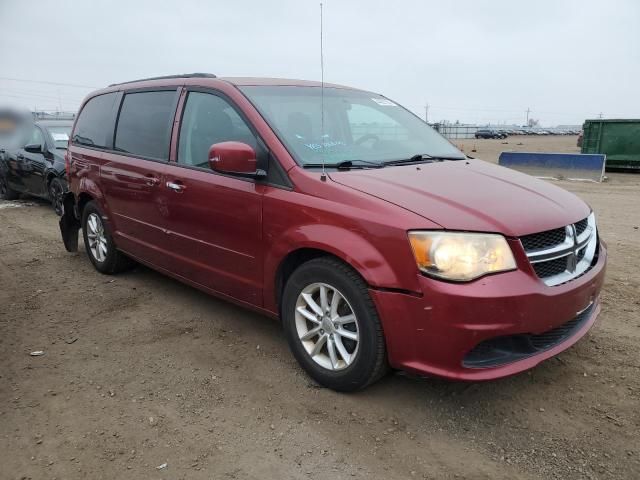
{"x": 48, "y": 83}
{"x": 28, "y": 94}
{"x": 52, "y": 101}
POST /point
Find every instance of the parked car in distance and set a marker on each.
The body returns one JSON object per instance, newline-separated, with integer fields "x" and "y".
{"x": 11, "y": 124}
{"x": 34, "y": 164}
{"x": 373, "y": 239}
{"x": 489, "y": 133}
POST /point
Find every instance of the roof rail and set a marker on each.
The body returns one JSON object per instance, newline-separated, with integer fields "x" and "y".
{"x": 166, "y": 77}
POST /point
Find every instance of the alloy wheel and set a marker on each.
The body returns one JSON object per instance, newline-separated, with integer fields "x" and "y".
{"x": 97, "y": 238}
{"x": 56, "y": 192}
{"x": 327, "y": 326}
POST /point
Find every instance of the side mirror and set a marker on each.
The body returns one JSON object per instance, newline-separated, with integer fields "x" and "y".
{"x": 235, "y": 158}
{"x": 33, "y": 148}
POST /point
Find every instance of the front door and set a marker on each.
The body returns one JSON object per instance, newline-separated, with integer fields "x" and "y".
{"x": 214, "y": 221}
{"x": 26, "y": 169}
{"x": 34, "y": 164}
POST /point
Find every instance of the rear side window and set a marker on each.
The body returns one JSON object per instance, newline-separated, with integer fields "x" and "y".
{"x": 144, "y": 124}
{"x": 94, "y": 122}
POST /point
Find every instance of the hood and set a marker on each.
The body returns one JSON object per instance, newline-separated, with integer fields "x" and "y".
{"x": 471, "y": 195}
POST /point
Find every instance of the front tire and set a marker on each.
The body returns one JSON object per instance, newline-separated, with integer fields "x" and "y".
{"x": 332, "y": 326}
{"x": 98, "y": 242}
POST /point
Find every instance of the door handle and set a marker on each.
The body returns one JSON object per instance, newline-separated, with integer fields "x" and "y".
{"x": 176, "y": 187}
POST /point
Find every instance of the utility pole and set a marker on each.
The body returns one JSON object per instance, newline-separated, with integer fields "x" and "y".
{"x": 528, "y": 112}
{"x": 426, "y": 113}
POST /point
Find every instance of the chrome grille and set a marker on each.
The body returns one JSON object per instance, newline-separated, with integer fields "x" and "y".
{"x": 581, "y": 226}
{"x": 546, "y": 239}
{"x": 562, "y": 254}
{"x": 550, "y": 268}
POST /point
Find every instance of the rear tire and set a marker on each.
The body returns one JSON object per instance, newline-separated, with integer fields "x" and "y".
{"x": 57, "y": 189}
{"x": 6, "y": 193}
{"x": 348, "y": 351}
{"x": 99, "y": 244}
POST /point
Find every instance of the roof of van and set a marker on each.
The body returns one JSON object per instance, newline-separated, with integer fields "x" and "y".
{"x": 238, "y": 81}
{"x": 249, "y": 81}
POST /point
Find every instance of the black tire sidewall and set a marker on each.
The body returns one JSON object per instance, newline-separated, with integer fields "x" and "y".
{"x": 63, "y": 188}
{"x": 4, "y": 188}
{"x": 109, "y": 264}
{"x": 365, "y": 366}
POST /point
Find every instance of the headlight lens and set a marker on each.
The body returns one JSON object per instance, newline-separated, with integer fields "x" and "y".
{"x": 461, "y": 256}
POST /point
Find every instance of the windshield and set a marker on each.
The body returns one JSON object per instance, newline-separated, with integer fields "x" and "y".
{"x": 358, "y": 126}
{"x": 60, "y": 135}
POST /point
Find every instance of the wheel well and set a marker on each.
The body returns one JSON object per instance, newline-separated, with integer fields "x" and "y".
{"x": 50, "y": 177}
{"x": 83, "y": 199}
{"x": 292, "y": 261}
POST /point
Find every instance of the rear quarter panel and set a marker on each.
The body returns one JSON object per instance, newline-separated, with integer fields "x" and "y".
{"x": 84, "y": 174}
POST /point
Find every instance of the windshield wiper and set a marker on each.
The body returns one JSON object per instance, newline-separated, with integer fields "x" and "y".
{"x": 420, "y": 158}
{"x": 346, "y": 164}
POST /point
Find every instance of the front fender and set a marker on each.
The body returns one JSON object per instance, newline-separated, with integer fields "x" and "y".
{"x": 351, "y": 247}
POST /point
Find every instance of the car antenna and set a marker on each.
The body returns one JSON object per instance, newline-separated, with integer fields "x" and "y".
{"x": 323, "y": 176}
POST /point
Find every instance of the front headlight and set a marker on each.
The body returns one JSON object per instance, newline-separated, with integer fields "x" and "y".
{"x": 461, "y": 256}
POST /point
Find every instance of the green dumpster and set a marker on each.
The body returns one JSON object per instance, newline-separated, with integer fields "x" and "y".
{"x": 619, "y": 140}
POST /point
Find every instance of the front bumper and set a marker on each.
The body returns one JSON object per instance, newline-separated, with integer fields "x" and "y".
{"x": 433, "y": 333}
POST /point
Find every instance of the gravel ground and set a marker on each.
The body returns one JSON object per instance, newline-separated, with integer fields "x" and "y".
{"x": 140, "y": 371}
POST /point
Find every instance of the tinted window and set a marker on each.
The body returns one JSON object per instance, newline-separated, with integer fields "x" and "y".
{"x": 209, "y": 119}
{"x": 95, "y": 121}
{"x": 144, "y": 124}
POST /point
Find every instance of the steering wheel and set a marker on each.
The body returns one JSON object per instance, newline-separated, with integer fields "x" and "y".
{"x": 367, "y": 137}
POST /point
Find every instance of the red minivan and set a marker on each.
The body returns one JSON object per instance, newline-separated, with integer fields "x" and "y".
{"x": 375, "y": 241}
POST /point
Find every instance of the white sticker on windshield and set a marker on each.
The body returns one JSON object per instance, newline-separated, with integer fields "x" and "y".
{"x": 60, "y": 137}
{"x": 384, "y": 102}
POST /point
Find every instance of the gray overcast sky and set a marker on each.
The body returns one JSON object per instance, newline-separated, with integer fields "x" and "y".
{"x": 476, "y": 61}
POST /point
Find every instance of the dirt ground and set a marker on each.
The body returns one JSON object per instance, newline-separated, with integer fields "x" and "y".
{"x": 140, "y": 371}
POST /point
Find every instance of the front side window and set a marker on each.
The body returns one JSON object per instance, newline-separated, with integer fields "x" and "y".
{"x": 209, "y": 119}
{"x": 144, "y": 124}
{"x": 353, "y": 125}
{"x": 94, "y": 122}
